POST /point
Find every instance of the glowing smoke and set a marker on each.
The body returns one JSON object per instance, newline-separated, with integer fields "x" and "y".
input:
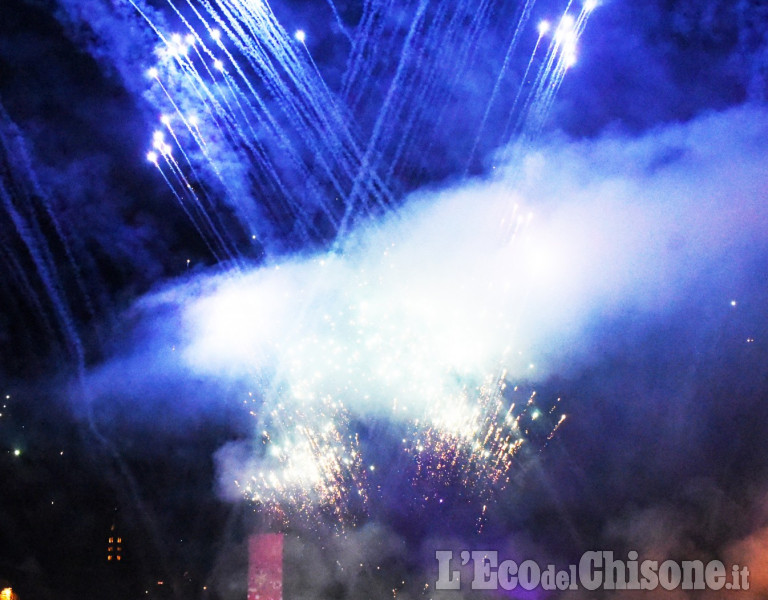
{"x": 415, "y": 311}
{"x": 443, "y": 289}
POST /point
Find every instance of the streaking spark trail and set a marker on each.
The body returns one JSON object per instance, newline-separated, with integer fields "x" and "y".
{"x": 245, "y": 114}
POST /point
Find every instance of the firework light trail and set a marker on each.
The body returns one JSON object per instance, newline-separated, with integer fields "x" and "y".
{"x": 241, "y": 100}
{"x": 237, "y": 80}
{"x": 244, "y": 104}
{"x": 27, "y": 252}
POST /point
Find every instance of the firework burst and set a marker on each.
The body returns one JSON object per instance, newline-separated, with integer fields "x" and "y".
{"x": 247, "y": 117}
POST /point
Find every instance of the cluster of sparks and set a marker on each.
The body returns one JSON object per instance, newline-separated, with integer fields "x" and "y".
{"x": 478, "y": 452}
{"x": 310, "y": 461}
{"x": 244, "y": 105}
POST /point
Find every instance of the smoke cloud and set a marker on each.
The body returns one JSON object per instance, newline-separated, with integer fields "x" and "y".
{"x": 410, "y": 311}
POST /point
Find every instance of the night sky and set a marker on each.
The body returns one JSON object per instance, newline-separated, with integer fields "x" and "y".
{"x": 344, "y": 233}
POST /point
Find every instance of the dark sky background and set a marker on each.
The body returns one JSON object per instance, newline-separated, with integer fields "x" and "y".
{"x": 662, "y": 367}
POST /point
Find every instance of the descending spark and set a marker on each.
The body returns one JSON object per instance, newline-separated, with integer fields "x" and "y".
{"x": 266, "y": 73}
{"x": 544, "y": 28}
{"x": 560, "y": 57}
{"x": 268, "y": 105}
